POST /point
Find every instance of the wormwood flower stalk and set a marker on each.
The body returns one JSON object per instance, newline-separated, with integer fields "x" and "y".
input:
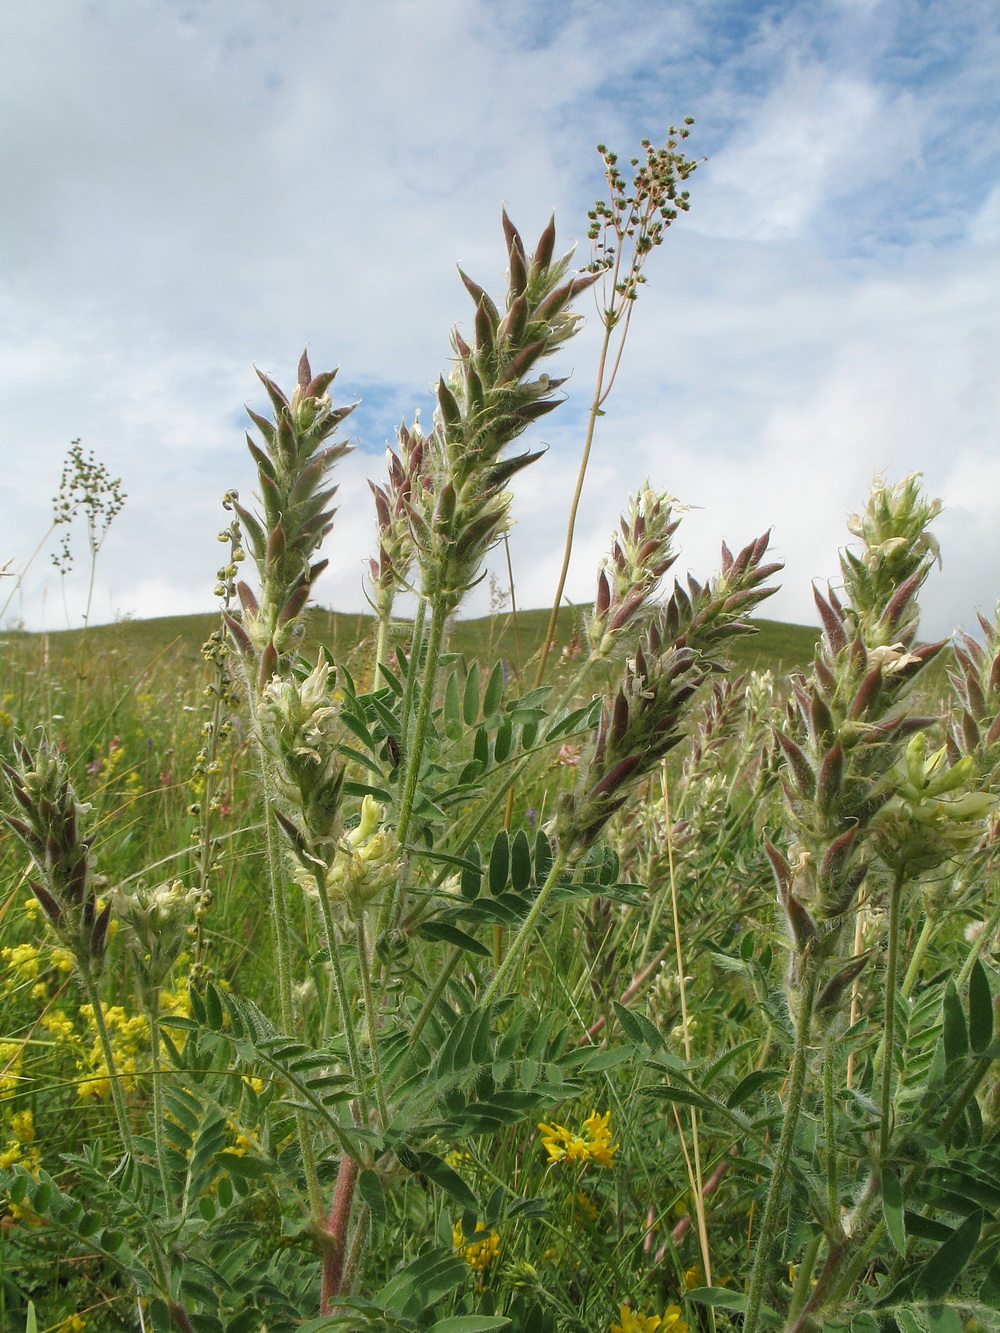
{"x": 624, "y": 229}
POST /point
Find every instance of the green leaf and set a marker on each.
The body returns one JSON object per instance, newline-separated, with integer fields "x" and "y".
{"x": 481, "y": 748}
{"x": 908, "y": 1322}
{"x": 945, "y": 1265}
{"x": 32, "y": 1325}
{"x": 863, "y": 1322}
{"x": 608, "y": 1059}
{"x": 488, "y": 909}
{"x": 472, "y": 879}
{"x": 520, "y": 862}
{"x": 503, "y": 743}
{"x": 686, "y": 1096}
{"x": 892, "y": 1210}
{"x": 470, "y": 1323}
{"x": 499, "y": 863}
{"x": 392, "y": 680}
{"x": 470, "y": 703}
{"x": 747, "y": 1086}
{"x": 980, "y": 1008}
{"x": 943, "y": 1319}
{"x": 213, "y": 1008}
{"x": 494, "y": 691}
{"x": 638, "y": 1028}
{"x": 721, "y": 1297}
{"x": 441, "y": 930}
{"x": 452, "y": 716}
{"x": 176, "y": 1021}
{"x": 370, "y": 1189}
{"x": 989, "y": 1292}
{"x": 422, "y": 1282}
{"x": 955, "y": 1034}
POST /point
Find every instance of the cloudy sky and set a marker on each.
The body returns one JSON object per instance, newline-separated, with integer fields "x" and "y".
{"x": 190, "y": 187}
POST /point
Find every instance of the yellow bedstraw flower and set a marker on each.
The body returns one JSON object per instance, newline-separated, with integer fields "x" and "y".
{"x": 22, "y": 1125}
{"x": 23, "y": 961}
{"x": 592, "y": 1145}
{"x": 478, "y": 1254}
{"x": 632, "y": 1322}
{"x": 10, "y": 1068}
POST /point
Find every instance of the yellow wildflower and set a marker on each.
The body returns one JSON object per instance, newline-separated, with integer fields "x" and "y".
{"x": 592, "y": 1145}
{"x": 23, "y": 960}
{"x": 22, "y": 1126}
{"x": 632, "y": 1322}
{"x": 74, "y": 1324}
{"x": 59, "y": 1026}
{"x": 478, "y": 1254}
{"x": 10, "y": 1067}
{"x": 693, "y": 1277}
{"x": 10, "y": 1154}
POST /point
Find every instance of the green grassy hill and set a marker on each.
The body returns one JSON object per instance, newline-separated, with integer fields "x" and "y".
{"x": 138, "y": 644}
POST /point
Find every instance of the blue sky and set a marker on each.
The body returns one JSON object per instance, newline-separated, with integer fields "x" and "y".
{"x": 191, "y": 188}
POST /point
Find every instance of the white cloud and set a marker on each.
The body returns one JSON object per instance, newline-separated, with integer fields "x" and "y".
{"x": 192, "y": 189}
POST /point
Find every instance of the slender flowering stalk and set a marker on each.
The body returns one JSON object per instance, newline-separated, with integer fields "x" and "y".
{"x": 624, "y": 231}
{"x": 642, "y": 720}
{"x": 461, "y": 509}
{"x": 293, "y": 467}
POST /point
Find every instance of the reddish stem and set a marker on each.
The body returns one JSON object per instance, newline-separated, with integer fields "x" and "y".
{"x": 679, "y": 1231}
{"x": 335, "y": 1248}
{"x": 627, "y": 995}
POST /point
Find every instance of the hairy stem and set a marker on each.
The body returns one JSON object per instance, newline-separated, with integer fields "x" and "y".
{"x": 830, "y": 1130}
{"x": 595, "y": 408}
{"x": 415, "y": 747}
{"x": 776, "y": 1188}
{"x": 337, "y": 1228}
{"x": 891, "y": 976}
{"x": 286, "y": 1008}
{"x": 371, "y": 1026}
{"x": 107, "y": 1051}
{"x": 434, "y": 994}
{"x": 159, "y": 1115}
